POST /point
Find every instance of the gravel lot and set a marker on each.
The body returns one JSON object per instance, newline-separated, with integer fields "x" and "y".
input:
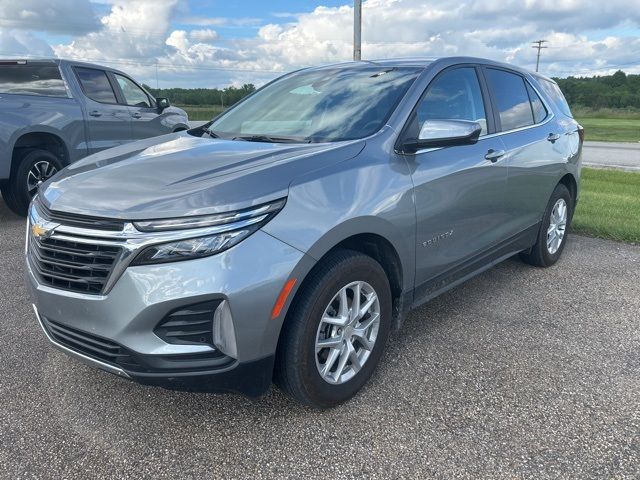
{"x": 519, "y": 373}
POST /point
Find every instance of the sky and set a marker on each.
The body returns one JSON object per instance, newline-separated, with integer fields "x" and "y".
{"x": 213, "y": 43}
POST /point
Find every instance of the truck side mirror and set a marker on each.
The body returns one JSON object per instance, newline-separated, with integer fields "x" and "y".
{"x": 162, "y": 103}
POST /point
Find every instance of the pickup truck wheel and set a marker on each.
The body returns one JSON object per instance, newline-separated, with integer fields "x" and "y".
{"x": 336, "y": 332}
{"x": 553, "y": 231}
{"x": 35, "y": 167}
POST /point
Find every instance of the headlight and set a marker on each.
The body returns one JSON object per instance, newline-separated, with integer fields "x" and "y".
{"x": 251, "y": 215}
{"x": 211, "y": 233}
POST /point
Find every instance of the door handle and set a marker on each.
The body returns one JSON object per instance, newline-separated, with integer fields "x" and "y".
{"x": 553, "y": 137}
{"x": 136, "y": 115}
{"x": 95, "y": 113}
{"x": 494, "y": 155}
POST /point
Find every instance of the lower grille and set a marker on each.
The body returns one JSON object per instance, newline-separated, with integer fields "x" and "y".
{"x": 112, "y": 353}
{"x": 90, "y": 345}
{"x": 71, "y": 265}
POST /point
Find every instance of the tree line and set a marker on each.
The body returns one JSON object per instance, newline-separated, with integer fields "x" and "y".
{"x": 611, "y": 91}
{"x": 203, "y": 96}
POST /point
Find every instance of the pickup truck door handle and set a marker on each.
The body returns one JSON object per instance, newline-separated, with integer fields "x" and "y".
{"x": 95, "y": 113}
{"x": 494, "y": 155}
{"x": 553, "y": 137}
{"x": 136, "y": 115}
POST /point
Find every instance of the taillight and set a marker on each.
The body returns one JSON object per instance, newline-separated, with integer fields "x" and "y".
{"x": 581, "y": 133}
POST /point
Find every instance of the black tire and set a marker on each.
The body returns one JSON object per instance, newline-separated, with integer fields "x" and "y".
{"x": 295, "y": 371}
{"x": 539, "y": 254}
{"x": 15, "y": 191}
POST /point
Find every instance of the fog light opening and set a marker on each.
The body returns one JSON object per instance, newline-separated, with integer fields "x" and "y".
{"x": 224, "y": 334}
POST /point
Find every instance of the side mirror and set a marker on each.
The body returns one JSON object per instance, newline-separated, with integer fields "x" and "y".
{"x": 162, "y": 103}
{"x": 443, "y": 133}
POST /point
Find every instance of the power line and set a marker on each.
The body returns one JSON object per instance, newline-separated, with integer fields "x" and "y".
{"x": 538, "y": 44}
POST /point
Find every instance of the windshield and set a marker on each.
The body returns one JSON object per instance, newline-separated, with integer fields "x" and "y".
{"x": 321, "y": 105}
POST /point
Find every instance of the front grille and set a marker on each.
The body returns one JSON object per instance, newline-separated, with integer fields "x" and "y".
{"x": 71, "y": 265}
{"x": 82, "y": 221}
{"x": 91, "y": 345}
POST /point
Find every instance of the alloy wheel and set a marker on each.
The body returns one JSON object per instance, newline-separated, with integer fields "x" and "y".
{"x": 557, "y": 226}
{"x": 39, "y": 172}
{"x": 347, "y": 332}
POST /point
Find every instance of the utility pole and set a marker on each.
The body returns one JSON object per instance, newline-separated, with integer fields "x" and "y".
{"x": 538, "y": 44}
{"x": 357, "y": 30}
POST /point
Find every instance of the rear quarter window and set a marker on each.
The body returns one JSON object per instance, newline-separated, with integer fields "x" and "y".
{"x": 539, "y": 110}
{"x": 42, "y": 80}
{"x": 553, "y": 92}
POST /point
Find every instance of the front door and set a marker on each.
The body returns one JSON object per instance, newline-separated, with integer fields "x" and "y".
{"x": 145, "y": 120}
{"x": 459, "y": 190}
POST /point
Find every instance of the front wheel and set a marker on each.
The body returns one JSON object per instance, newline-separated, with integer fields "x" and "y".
{"x": 553, "y": 231}
{"x": 335, "y": 334}
{"x": 35, "y": 167}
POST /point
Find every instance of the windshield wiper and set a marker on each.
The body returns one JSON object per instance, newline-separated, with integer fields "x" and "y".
{"x": 271, "y": 139}
{"x": 211, "y": 133}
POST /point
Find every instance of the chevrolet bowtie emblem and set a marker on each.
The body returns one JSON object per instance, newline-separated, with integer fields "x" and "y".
{"x": 39, "y": 231}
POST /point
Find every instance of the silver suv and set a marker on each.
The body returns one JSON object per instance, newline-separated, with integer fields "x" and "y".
{"x": 286, "y": 238}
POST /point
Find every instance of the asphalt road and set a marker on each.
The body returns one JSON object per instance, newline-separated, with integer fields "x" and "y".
{"x": 623, "y": 156}
{"x": 519, "y": 373}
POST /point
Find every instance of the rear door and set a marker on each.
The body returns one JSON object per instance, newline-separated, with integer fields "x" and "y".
{"x": 108, "y": 123}
{"x": 459, "y": 192}
{"x": 145, "y": 119}
{"x": 535, "y": 146}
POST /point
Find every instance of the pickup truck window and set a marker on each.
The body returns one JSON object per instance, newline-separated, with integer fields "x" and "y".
{"x": 133, "y": 94}
{"x": 43, "y": 80}
{"x": 95, "y": 85}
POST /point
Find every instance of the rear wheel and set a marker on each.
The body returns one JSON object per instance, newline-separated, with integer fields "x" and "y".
{"x": 35, "y": 167}
{"x": 553, "y": 232}
{"x": 335, "y": 334}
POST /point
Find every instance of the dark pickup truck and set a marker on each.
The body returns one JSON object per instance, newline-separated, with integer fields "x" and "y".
{"x": 54, "y": 112}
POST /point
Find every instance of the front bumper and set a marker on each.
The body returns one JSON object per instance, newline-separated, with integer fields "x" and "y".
{"x": 249, "y": 276}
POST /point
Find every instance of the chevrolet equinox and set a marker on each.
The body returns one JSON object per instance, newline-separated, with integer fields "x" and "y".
{"x": 284, "y": 240}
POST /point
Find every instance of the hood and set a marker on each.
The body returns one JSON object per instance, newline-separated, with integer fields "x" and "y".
{"x": 180, "y": 174}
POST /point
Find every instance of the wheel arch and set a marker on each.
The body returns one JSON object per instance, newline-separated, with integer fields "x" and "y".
{"x": 569, "y": 181}
{"x": 378, "y": 242}
{"x": 49, "y": 141}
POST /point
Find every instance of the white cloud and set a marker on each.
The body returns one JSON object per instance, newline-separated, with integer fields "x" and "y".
{"x": 58, "y": 16}
{"x": 220, "y": 21}
{"x": 204, "y": 35}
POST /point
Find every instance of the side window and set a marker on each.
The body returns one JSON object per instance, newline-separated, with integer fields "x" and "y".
{"x": 555, "y": 94}
{"x": 512, "y": 99}
{"x": 95, "y": 85}
{"x": 454, "y": 95}
{"x": 133, "y": 94}
{"x": 539, "y": 111}
{"x": 32, "y": 79}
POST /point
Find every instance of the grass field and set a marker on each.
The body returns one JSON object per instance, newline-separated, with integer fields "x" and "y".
{"x": 611, "y": 129}
{"x": 201, "y": 112}
{"x": 609, "y": 125}
{"x": 609, "y": 205}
